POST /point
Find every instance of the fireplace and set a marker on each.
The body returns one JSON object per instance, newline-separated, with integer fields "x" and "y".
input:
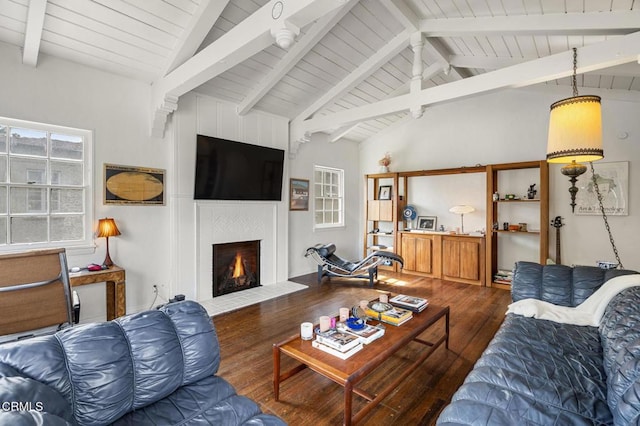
{"x": 236, "y": 266}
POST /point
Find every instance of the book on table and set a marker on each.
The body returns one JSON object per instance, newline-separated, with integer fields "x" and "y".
{"x": 340, "y": 354}
{"x": 393, "y": 316}
{"x": 337, "y": 339}
{"x": 367, "y": 334}
{"x": 413, "y": 303}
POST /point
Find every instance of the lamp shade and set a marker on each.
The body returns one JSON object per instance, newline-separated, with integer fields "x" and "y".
{"x": 462, "y": 209}
{"x": 107, "y": 228}
{"x": 575, "y": 130}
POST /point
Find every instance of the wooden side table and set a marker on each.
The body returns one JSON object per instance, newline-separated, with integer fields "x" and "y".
{"x": 114, "y": 277}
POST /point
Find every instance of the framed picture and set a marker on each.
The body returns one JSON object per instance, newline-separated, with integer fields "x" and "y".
{"x": 613, "y": 183}
{"x": 133, "y": 185}
{"x": 384, "y": 193}
{"x": 298, "y": 194}
{"x": 427, "y": 223}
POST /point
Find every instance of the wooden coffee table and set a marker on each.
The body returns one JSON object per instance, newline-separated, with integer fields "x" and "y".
{"x": 348, "y": 373}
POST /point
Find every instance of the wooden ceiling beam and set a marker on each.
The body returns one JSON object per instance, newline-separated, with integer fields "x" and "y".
{"x": 613, "y": 52}
{"x": 318, "y": 30}
{"x": 582, "y": 24}
{"x": 33, "y": 32}
{"x": 238, "y": 44}
{"x": 202, "y": 21}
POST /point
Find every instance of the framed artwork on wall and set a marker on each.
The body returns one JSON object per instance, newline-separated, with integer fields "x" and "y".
{"x": 133, "y": 185}
{"x": 427, "y": 223}
{"x": 298, "y": 194}
{"x": 613, "y": 183}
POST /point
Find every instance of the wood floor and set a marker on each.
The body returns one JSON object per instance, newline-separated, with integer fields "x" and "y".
{"x": 247, "y": 335}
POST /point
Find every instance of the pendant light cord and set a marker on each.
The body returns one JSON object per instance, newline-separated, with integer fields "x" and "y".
{"x": 574, "y": 79}
{"x": 604, "y": 216}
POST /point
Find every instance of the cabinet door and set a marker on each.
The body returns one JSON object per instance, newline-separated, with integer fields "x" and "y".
{"x": 373, "y": 210}
{"x": 451, "y": 258}
{"x": 409, "y": 253}
{"x": 417, "y": 254}
{"x": 469, "y": 260}
{"x": 386, "y": 210}
{"x": 424, "y": 260}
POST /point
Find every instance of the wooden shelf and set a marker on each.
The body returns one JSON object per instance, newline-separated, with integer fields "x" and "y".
{"x": 520, "y": 200}
{"x": 515, "y": 232}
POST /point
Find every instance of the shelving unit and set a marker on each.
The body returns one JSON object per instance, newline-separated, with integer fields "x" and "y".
{"x": 494, "y": 209}
{"x": 383, "y": 215}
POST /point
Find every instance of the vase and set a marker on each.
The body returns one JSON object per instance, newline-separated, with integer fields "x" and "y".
{"x": 384, "y": 169}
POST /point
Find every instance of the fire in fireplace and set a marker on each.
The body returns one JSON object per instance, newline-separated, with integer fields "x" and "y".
{"x": 235, "y": 266}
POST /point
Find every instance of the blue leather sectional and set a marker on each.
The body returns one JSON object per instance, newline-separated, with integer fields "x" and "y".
{"x": 154, "y": 367}
{"x": 538, "y": 372}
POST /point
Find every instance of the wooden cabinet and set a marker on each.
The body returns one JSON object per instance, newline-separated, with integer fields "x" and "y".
{"x": 419, "y": 253}
{"x": 503, "y": 212}
{"x": 447, "y": 256}
{"x": 380, "y": 210}
{"x": 463, "y": 259}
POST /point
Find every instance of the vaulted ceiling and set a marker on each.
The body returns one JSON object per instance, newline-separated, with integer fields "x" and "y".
{"x": 349, "y": 68}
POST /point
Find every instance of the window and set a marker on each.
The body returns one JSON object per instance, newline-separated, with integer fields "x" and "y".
{"x": 45, "y": 186}
{"x": 329, "y": 198}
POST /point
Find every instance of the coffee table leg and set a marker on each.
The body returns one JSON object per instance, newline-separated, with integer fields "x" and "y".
{"x": 348, "y": 400}
{"x": 276, "y": 372}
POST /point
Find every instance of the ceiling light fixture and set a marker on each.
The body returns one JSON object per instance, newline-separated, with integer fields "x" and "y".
{"x": 575, "y": 135}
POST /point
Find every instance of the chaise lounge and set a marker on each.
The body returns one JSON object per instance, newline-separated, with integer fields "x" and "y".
{"x": 153, "y": 367}
{"x": 330, "y": 264}
{"x": 543, "y": 372}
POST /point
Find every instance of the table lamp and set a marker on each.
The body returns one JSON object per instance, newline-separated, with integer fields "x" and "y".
{"x": 107, "y": 228}
{"x": 461, "y": 210}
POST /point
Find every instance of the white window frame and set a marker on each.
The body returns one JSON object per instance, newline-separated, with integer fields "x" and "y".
{"x": 86, "y": 243}
{"x": 320, "y": 194}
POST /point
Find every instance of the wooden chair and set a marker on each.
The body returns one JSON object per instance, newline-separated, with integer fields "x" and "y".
{"x": 35, "y": 292}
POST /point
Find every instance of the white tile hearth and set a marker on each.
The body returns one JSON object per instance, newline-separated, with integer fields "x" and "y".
{"x": 240, "y": 299}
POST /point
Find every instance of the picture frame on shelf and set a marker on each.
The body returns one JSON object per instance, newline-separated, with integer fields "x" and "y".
{"x": 384, "y": 193}
{"x": 427, "y": 223}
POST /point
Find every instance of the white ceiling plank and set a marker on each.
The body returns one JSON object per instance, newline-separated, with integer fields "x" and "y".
{"x": 615, "y": 51}
{"x": 434, "y": 49}
{"x": 597, "y": 23}
{"x": 293, "y": 56}
{"x": 194, "y": 33}
{"x": 369, "y": 66}
{"x": 243, "y": 41}
{"x": 33, "y": 33}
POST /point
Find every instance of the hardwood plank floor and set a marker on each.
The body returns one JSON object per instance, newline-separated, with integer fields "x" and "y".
{"x": 247, "y": 335}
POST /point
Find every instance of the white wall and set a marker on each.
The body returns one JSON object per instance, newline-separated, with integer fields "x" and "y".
{"x": 116, "y": 109}
{"x": 511, "y": 126}
{"x": 302, "y": 235}
{"x": 198, "y": 225}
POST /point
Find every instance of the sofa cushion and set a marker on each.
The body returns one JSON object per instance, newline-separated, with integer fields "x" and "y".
{"x": 211, "y": 401}
{"x": 620, "y": 336}
{"x": 535, "y": 372}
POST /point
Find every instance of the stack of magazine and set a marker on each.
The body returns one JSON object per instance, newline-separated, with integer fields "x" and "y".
{"x": 337, "y": 343}
{"x": 413, "y": 303}
{"x": 367, "y": 334}
{"x": 393, "y": 315}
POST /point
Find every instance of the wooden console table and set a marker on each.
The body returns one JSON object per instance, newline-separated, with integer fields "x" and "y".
{"x": 115, "y": 284}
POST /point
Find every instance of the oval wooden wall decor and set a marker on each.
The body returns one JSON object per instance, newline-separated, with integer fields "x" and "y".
{"x": 133, "y": 185}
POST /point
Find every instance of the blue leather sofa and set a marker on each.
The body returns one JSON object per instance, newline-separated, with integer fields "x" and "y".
{"x": 538, "y": 372}
{"x": 153, "y": 367}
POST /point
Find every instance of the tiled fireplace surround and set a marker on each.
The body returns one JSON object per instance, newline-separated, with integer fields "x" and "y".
{"x": 232, "y": 222}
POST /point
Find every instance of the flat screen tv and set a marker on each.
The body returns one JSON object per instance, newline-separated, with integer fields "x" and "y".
{"x": 230, "y": 170}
